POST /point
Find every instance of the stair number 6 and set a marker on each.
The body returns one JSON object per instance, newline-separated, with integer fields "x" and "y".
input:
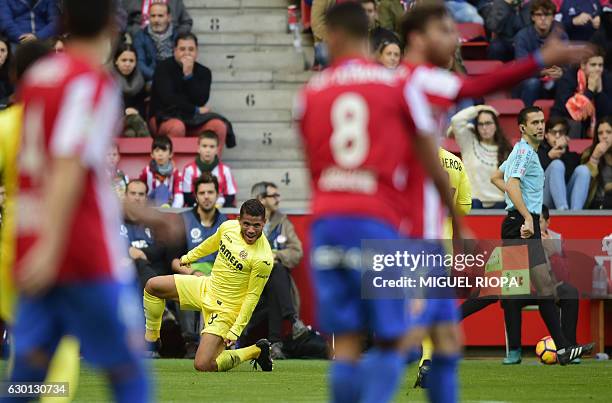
{"x": 350, "y": 141}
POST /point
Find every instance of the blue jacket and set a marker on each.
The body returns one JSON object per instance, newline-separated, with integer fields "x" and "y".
{"x": 573, "y": 8}
{"x": 17, "y": 17}
{"x": 147, "y": 53}
{"x": 528, "y": 41}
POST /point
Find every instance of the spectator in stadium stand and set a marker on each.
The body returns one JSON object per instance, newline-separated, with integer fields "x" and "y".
{"x": 483, "y": 148}
{"x": 280, "y": 291}
{"x": 377, "y": 33}
{"x": 138, "y": 14}
{"x": 530, "y": 39}
{"x": 566, "y": 182}
{"x": 208, "y": 160}
{"x": 598, "y": 158}
{"x": 504, "y": 19}
{"x": 390, "y": 13}
{"x": 603, "y": 36}
{"x": 155, "y": 42}
{"x": 132, "y": 85}
{"x": 6, "y": 87}
{"x": 181, "y": 89}
{"x": 137, "y": 236}
{"x": 119, "y": 180}
{"x": 584, "y": 93}
{"x": 462, "y": 11}
{"x": 163, "y": 179}
{"x": 23, "y": 21}
{"x": 581, "y": 18}
{"x": 317, "y": 24}
{"x": 389, "y": 54}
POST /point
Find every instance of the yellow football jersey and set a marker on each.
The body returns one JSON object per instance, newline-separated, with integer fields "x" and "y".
{"x": 239, "y": 273}
{"x": 460, "y": 186}
{"x": 10, "y": 133}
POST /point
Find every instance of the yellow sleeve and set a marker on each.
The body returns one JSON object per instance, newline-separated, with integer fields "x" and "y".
{"x": 464, "y": 194}
{"x": 210, "y": 245}
{"x": 257, "y": 281}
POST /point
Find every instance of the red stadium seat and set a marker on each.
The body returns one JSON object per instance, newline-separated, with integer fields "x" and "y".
{"x": 473, "y": 41}
{"x": 480, "y": 67}
{"x": 545, "y": 104}
{"x": 508, "y": 113}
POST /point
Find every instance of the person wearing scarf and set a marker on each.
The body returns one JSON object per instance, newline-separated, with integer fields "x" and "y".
{"x": 584, "y": 94}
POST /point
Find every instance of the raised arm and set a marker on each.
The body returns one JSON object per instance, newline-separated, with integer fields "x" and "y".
{"x": 210, "y": 245}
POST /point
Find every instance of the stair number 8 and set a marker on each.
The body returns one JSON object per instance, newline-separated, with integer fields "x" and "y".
{"x": 350, "y": 141}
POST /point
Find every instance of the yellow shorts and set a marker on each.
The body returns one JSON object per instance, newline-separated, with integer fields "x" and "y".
{"x": 191, "y": 291}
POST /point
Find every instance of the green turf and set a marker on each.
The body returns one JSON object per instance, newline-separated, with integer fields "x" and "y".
{"x": 305, "y": 381}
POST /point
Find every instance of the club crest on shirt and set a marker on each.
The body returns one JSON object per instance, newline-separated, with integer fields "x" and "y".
{"x": 243, "y": 255}
{"x": 195, "y": 233}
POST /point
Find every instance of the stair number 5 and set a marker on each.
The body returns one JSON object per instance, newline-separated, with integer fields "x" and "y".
{"x": 350, "y": 141}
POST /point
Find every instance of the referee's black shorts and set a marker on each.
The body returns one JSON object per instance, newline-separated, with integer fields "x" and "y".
{"x": 511, "y": 235}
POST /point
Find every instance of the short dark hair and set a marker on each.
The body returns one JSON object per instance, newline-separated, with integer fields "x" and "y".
{"x": 558, "y": 120}
{"x": 348, "y": 17}
{"x": 125, "y": 47}
{"x": 522, "y": 117}
{"x": 137, "y": 181}
{"x": 205, "y": 178}
{"x": 369, "y": 1}
{"x": 162, "y": 142}
{"x": 185, "y": 36}
{"x": 253, "y": 207}
{"x": 27, "y": 54}
{"x": 87, "y": 19}
{"x": 545, "y": 212}
{"x": 208, "y": 134}
{"x": 543, "y": 5}
{"x": 419, "y": 16}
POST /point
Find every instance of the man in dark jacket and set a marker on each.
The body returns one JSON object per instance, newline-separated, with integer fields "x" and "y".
{"x": 138, "y": 20}
{"x": 581, "y": 18}
{"x": 26, "y": 20}
{"x": 504, "y": 19}
{"x": 566, "y": 183}
{"x": 155, "y": 42}
{"x": 597, "y": 88}
{"x": 530, "y": 39}
{"x": 181, "y": 89}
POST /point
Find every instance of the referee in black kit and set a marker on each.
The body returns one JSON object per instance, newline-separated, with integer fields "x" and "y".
{"x": 524, "y": 183}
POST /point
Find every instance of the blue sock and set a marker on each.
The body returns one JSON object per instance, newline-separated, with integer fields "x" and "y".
{"x": 344, "y": 379}
{"x": 381, "y": 371}
{"x": 130, "y": 386}
{"x": 443, "y": 375}
{"x": 413, "y": 355}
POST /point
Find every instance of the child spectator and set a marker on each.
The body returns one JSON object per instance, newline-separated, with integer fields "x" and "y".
{"x": 161, "y": 176}
{"x": 598, "y": 158}
{"x": 134, "y": 93}
{"x": 6, "y": 88}
{"x": 584, "y": 93}
{"x": 207, "y": 160}
{"x": 483, "y": 149}
{"x": 119, "y": 180}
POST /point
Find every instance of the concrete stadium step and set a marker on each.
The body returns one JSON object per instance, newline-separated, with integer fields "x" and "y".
{"x": 286, "y": 59}
{"x": 238, "y": 21}
{"x": 266, "y": 145}
{"x": 250, "y": 39}
{"x": 268, "y": 116}
{"x": 293, "y": 183}
{"x": 208, "y": 4}
{"x": 252, "y": 99}
{"x": 243, "y": 77}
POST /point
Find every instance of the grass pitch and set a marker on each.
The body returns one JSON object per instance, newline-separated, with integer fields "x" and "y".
{"x": 305, "y": 381}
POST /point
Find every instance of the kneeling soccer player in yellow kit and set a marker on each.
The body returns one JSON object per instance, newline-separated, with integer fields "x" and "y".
{"x": 227, "y": 298}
